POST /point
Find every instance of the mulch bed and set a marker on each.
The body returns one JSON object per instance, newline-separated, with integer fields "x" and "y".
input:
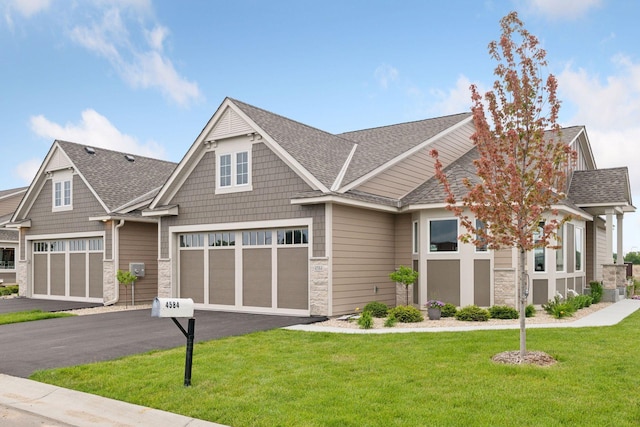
{"x": 538, "y": 358}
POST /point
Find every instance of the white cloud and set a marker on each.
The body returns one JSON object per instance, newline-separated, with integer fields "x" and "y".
{"x": 28, "y": 8}
{"x": 96, "y": 130}
{"x": 558, "y": 9}
{"x": 140, "y": 66}
{"x": 454, "y": 100}
{"x": 385, "y": 74}
{"x": 27, "y": 170}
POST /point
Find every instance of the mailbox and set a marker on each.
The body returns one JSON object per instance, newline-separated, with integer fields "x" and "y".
{"x": 172, "y": 307}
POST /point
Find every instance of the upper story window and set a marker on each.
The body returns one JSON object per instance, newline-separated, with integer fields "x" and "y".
{"x": 62, "y": 194}
{"x": 443, "y": 235}
{"x": 233, "y": 172}
{"x": 7, "y": 258}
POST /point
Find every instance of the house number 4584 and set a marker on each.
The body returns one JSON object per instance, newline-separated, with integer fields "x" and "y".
{"x": 172, "y": 304}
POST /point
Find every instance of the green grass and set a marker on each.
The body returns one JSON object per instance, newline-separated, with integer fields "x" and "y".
{"x": 292, "y": 378}
{"x": 28, "y": 316}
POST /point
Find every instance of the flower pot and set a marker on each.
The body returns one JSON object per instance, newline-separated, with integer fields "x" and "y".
{"x": 434, "y": 313}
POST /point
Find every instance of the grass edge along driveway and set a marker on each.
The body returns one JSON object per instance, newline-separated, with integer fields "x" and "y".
{"x": 31, "y": 315}
{"x": 292, "y": 378}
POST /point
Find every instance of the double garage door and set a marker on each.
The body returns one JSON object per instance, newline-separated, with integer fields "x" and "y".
{"x": 68, "y": 269}
{"x": 257, "y": 270}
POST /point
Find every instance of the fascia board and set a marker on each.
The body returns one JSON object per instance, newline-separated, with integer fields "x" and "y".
{"x": 170, "y": 211}
{"x": 343, "y": 171}
{"x": 343, "y": 201}
{"x": 17, "y": 193}
{"x": 122, "y": 217}
{"x": 403, "y": 156}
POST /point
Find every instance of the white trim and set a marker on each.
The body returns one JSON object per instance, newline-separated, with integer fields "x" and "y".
{"x": 234, "y": 226}
{"x": 64, "y": 236}
{"x": 334, "y": 198}
{"x": 458, "y": 243}
{"x": 328, "y": 252}
{"x": 415, "y": 237}
{"x": 343, "y": 171}
{"x": 405, "y": 154}
{"x": 249, "y": 309}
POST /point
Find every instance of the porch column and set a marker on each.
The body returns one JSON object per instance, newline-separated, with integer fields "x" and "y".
{"x": 608, "y": 256}
{"x": 619, "y": 239}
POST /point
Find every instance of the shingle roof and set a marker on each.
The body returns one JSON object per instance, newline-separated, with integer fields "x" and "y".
{"x": 11, "y": 191}
{"x": 321, "y": 153}
{"x": 116, "y": 180}
{"x": 600, "y": 186}
{"x": 379, "y": 145}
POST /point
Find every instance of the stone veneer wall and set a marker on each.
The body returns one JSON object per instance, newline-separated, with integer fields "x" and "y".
{"x": 319, "y": 286}
{"x": 164, "y": 278}
{"x": 401, "y": 295}
{"x": 108, "y": 281}
{"x": 614, "y": 276}
{"x": 504, "y": 292}
{"x": 21, "y": 277}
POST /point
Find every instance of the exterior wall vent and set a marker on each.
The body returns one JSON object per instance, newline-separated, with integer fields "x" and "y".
{"x": 130, "y": 158}
{"x": 90, "y": 150}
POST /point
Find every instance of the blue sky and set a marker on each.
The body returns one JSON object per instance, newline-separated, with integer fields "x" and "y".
{"x": 144, "y": 76}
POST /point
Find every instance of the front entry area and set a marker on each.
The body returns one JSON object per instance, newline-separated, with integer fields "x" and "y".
{"x": 263, "y": 270}
{"x": 69, "y": 269}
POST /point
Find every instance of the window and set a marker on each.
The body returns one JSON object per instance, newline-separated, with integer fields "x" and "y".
{"x": 560, "y": 250}
{"x": 539, "y": 260}
{"x": 416, "y": 237}
{"x": 57, "y": 246}
{"x": 234, "y": 172}
{"x": 256, "y": 238}
{"x": 480, "y": 226}
{"x": 222, "y": 239}
{"x": 95, "y": 245}
{"x": 77, "y": 245}
{"x": 62, "y": 195}
{"x": 193, "y": 240}
{"x": 40, "y": 247}
{"x": 293, "y": 237}
{"x": 443, "y": 235}
{"x": 578, "y": 237}
{"x": 7, "y": 258}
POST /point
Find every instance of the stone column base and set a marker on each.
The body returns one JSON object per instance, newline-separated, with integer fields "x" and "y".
{"x": 614, "y": 276}
{"x": 319, "y": 286}
{"x": 504, "y": 289}
{"x": 164, "y": 279}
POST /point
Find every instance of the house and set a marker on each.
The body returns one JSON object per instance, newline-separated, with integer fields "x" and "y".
{"x": 79, "y": 222}
{"x": 265, "y": 214}
{"x": 9, "y": 200}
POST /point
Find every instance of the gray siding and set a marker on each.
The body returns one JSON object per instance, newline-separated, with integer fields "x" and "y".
{"x": 403, "y": 240}
{"x": 502, "y": 258}
{"x": 222, "y": 276}
{"x": 443, "y": 280}
{"x": 256, "y": 277}
{"x": 274, "y": 184}
{"x": 482, "y": 282}
{"x": 363, "y": 257}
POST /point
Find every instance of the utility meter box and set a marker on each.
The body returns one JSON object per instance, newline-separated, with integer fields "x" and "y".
{"x": 137, "y": 268}
{"x": 172, "y": 307}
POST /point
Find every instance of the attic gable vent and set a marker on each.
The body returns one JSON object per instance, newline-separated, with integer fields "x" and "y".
{"x": 89, "y": 150}
{"x": 130, "y": 158}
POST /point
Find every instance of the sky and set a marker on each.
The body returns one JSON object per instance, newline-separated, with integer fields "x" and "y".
{"x": 144, "y": 76}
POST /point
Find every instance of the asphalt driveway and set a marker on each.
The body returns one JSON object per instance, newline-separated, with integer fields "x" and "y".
{"x": 30, "y": 346}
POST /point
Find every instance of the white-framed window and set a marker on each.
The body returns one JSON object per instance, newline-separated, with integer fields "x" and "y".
{"x": 222, "y": 239}
{"x": 57, "y": 246}
{"x": 78, "y": 245}
{"x": 560, "y": 250}
{"x": 40, "y": 247}
{"x": 416, "y": 238}
{"x": 297, "y": 236}
{"x": 578, "y": 248}
{"x": 62, "y": 195}
{"x": 480, "y": 226}
{"x": 443, "y": 235}
{"x": 192, "y": 240}
{"x": 95, "y": 245}
{"x": 233, "y": 171}
{"x": 539, "y": 254}
{"x": 257, "y": 238}
{"x": 7, "y": 258}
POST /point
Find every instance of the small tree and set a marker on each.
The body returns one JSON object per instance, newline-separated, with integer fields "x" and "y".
{"x": 126, "y": 278}
{"x": 523, "y": 163}
{"x": 405, "y": 275}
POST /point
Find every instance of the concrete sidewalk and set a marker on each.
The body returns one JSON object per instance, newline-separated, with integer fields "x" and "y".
{"x": 30, "y": 403}
{"x": 608, "y": 316}
{"x": 26, "y": 403}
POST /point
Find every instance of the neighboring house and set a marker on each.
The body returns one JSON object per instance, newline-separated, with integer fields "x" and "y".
{"x": 9, "y": 200}
{"x": 265, "y": 214}
{"x": 79, "y": 222}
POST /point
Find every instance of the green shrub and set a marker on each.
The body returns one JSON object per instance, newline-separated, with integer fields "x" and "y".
{"x": 448, "y": 310}
{"x": 5, "y": 290}
{"x": 406, "y": 314}
{"x": 580, "y": 301}
{"x": 529, "y": 311}
{"x": 596, "y": 291}
{"x": 559, "y": 308}
{"x": 377, "y": 309}
{"x": 365, "y": 320}
{"x": 390, "y": 322}
{"x": 503, "y": 312}
{"x": 472, "y": 313}
{"x": 14, "y": 288}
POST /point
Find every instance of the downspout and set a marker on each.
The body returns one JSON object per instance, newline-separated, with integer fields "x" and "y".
{"x": 116, "y": 259}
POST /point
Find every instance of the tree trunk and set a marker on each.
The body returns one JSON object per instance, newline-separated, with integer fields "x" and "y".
{"x": 523, "y": 293}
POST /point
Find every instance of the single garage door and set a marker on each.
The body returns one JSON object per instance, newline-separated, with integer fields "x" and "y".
{"x": 68, "y": 269}
{"x": 264, "y": 270}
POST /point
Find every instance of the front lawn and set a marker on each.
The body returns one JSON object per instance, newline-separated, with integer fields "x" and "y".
{"x": 28, "y": 316}
{"x": 290, "y": 378}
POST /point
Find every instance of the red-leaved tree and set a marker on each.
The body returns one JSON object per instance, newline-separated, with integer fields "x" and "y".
{"x": 523, "y": 163}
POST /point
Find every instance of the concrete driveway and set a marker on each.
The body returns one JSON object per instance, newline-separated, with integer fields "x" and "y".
{"x": 30, "y": 346}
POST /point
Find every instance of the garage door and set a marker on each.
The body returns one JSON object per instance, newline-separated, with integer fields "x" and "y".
{"x": 264, "y": 270}
{"x": 68, "y": 269}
